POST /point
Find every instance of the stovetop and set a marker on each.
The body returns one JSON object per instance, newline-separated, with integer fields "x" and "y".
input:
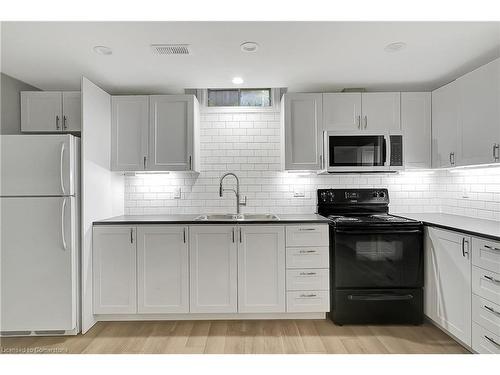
{"x": 370, "y": 219}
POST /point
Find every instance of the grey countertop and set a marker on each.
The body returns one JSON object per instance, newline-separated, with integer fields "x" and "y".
{"x": 190, "y": 219}
{"x": 469, "y": 225}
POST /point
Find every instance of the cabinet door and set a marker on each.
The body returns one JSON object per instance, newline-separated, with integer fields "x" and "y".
{"x": 213, "y": 269}
{"x": 72, "y": 111}
{"x": 302, "y": 126}
{"x": 416, "y": 126}
{"x": 171, "y": 124}
{"x": 452, "y": 273}
{"x": 479, "y": 98}
{"x": 114, "y": 269}
{"x": 342, "y": 111}
{"x": 445, "y": 126}
{"x": 381, "y": 111}
{"x": 261, "y": 269}
{"x": 129, "y": 132}
{"x": 41, "y": 111}
{"x": 162, "y": 269}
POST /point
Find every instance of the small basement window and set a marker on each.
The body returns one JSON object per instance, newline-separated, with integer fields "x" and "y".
{"x": 239, "y": 97}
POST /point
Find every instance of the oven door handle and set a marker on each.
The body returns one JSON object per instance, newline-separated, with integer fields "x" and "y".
{"x": 368, "y": 231}
{"x": 380, "y": 297}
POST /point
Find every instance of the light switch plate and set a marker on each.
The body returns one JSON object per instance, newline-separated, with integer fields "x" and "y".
{"x": 177, "y": 193}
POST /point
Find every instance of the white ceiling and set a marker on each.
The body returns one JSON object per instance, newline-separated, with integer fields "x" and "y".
{"x": 303, "y": 56}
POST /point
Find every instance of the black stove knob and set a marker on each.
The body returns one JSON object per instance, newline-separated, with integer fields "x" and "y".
{"x": 381, "y": 194}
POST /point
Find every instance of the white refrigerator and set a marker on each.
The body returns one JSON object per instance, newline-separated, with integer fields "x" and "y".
{"x": 39, "y": 234}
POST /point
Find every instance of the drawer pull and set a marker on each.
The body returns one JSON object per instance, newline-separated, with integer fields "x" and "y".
{"x": 492, "y": 341}
{"x": 307, "y": 251}
{"x": 308, "y": 295}
{"x": 492, "y": 248}
{"x": 491, "y": 279}
{"x": 308, "y": 229}
{"x": 492, "y": 310}
{"x": 307, "y": 273}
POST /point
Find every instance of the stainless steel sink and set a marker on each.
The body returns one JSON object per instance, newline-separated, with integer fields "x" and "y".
{"x": 235, "y": 217}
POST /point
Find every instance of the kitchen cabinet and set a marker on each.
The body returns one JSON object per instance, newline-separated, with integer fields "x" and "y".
{"x": 213, "y": 269}
{"x": 261, "y": 269}
{"x": 479, "y": 124}
{"x": 50, "y": 111}
{"x": 416, "y": 127}
{"x": 448, "y": 282}
{"x": 129, "y": 132}
{"x": 162, "y": 269}
{"x": 302, "y": 128}
{"x": 114, "y": 270}
{"x": 381, "y": 112}
{"x": 171, "y": 132}
{"x": 342, "y": 111}
{"x": 445, "y": 117}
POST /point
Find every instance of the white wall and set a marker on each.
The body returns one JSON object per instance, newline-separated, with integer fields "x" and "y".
{"x": 248, "y": 144}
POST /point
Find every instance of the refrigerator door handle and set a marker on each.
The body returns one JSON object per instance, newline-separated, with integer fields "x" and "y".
{"x": 63, "y": 237}
{"x": 61, "y": 161}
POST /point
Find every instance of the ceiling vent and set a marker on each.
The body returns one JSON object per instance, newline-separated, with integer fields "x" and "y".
{"x": 170, "y": 49}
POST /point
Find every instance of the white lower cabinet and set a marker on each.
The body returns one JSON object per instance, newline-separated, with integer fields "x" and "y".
{"x": 114, "y": 269}
{"x": 448, "y": 281}
{"x": 213, "y": 263}
{"x": 261, "y": 269}
{"x": 483, "y": 341}
{"x": 162, "y": 269}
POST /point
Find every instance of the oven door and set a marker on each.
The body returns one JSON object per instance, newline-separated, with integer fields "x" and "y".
{"x": 378, "y": 257}
{"x": 356, "y": 152}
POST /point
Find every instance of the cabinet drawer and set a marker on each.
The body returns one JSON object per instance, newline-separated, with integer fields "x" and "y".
{"x": 308, "y": 301}
{"x": 307, "y": 279}
{"x": 486, "y": 284}
{"x": 484, "y": 341}
{"x": 307, "y": 235}
{"x": 486, "y": 314}
{"x": 307, "y": 257}
{"x": 486, "y": 254}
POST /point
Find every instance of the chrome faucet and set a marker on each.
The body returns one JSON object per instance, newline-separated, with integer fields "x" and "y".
{"x": 237, "y": 191}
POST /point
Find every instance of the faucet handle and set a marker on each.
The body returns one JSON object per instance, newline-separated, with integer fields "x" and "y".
{"x": 244, "y": 203}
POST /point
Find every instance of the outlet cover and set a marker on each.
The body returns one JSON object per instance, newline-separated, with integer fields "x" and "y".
{"x": 299, "y": 194}
{"x": 177, "y": 193}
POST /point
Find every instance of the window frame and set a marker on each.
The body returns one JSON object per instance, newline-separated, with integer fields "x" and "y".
{"x": 202, "y": 95}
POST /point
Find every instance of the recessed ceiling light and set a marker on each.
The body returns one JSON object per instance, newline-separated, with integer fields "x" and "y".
{"x": 103, "y": 50}
{"x": 237, "y": 80}
{"x": 249, "y": 47}
{"x": 395, "y": 47}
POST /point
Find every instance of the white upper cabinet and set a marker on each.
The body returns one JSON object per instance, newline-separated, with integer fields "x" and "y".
{"x": 302, "y": 127}
{"x": 41, "y": 111}
{"x": 72, "y": 111}
{"x": 162, "y": 269}
{"x": 171, "y": 132}
{"x": 342, "y": 111}
{"x": 50, "y": 111}
{"x": 479, "y": 105}
{"x": 445, "y": 126}
{"x": 448, "y": 281}
{"x": 213, "y": 269}
{"x": 261, "y": 269}
{"x": 129, "y": 132}
{"x": 381, "y": 111}
{"x": 416, "y": 126}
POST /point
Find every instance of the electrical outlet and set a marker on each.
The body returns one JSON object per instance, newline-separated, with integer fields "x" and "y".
{"x": 177, "y": 193}
{"x": 299, "y": 194}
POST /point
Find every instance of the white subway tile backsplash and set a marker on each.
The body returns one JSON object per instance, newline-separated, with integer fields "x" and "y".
{"x": 248, "y": 144}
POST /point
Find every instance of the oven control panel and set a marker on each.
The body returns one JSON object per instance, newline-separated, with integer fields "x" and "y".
{"x": 353, "y": 196}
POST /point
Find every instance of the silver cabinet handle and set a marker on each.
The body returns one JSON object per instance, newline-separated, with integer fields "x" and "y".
{"x": 241, "y": 237}
{"x": 190, "y": 162}
{"x": 184, "y": 234}
{"x": 492, "y": 248}
{"x": 57, "y": 122}
{"x": 492, "y": 310}
{"x": 307, "y": 273}
{"x": 144, "y": 162}
{"x": 359, "y": 121}
{"x": 308, "y": 295}
{"x": 465, "y": 241}
{"x": 64, "y": 123}
{"x": 63, "y": 228}
{"x": 307, "y": 251}
{"x": 307, "y": 229}
{"x": 233, "y": 234}
{"x": 61, "y": 161}
{"x": 366, "y": 122}
{"x": 452, "y": 158}
{"x": 131, "y": 235}
{"x": 492, "y": 279}
{"x": 496, "y": 152}
{"x": 492, "y": 341}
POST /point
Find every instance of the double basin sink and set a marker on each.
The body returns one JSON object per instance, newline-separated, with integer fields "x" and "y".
{"x": 237, "y": 217}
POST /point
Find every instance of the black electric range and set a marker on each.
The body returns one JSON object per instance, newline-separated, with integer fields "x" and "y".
{"x": 376, "y": 259}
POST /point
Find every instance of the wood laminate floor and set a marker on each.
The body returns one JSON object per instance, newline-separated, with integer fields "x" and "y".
{"x": 240, "y": 337}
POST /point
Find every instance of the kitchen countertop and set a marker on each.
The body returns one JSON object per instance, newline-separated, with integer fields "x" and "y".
{"x": 190, "y": 219}
{"x": 469, "y": 225}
